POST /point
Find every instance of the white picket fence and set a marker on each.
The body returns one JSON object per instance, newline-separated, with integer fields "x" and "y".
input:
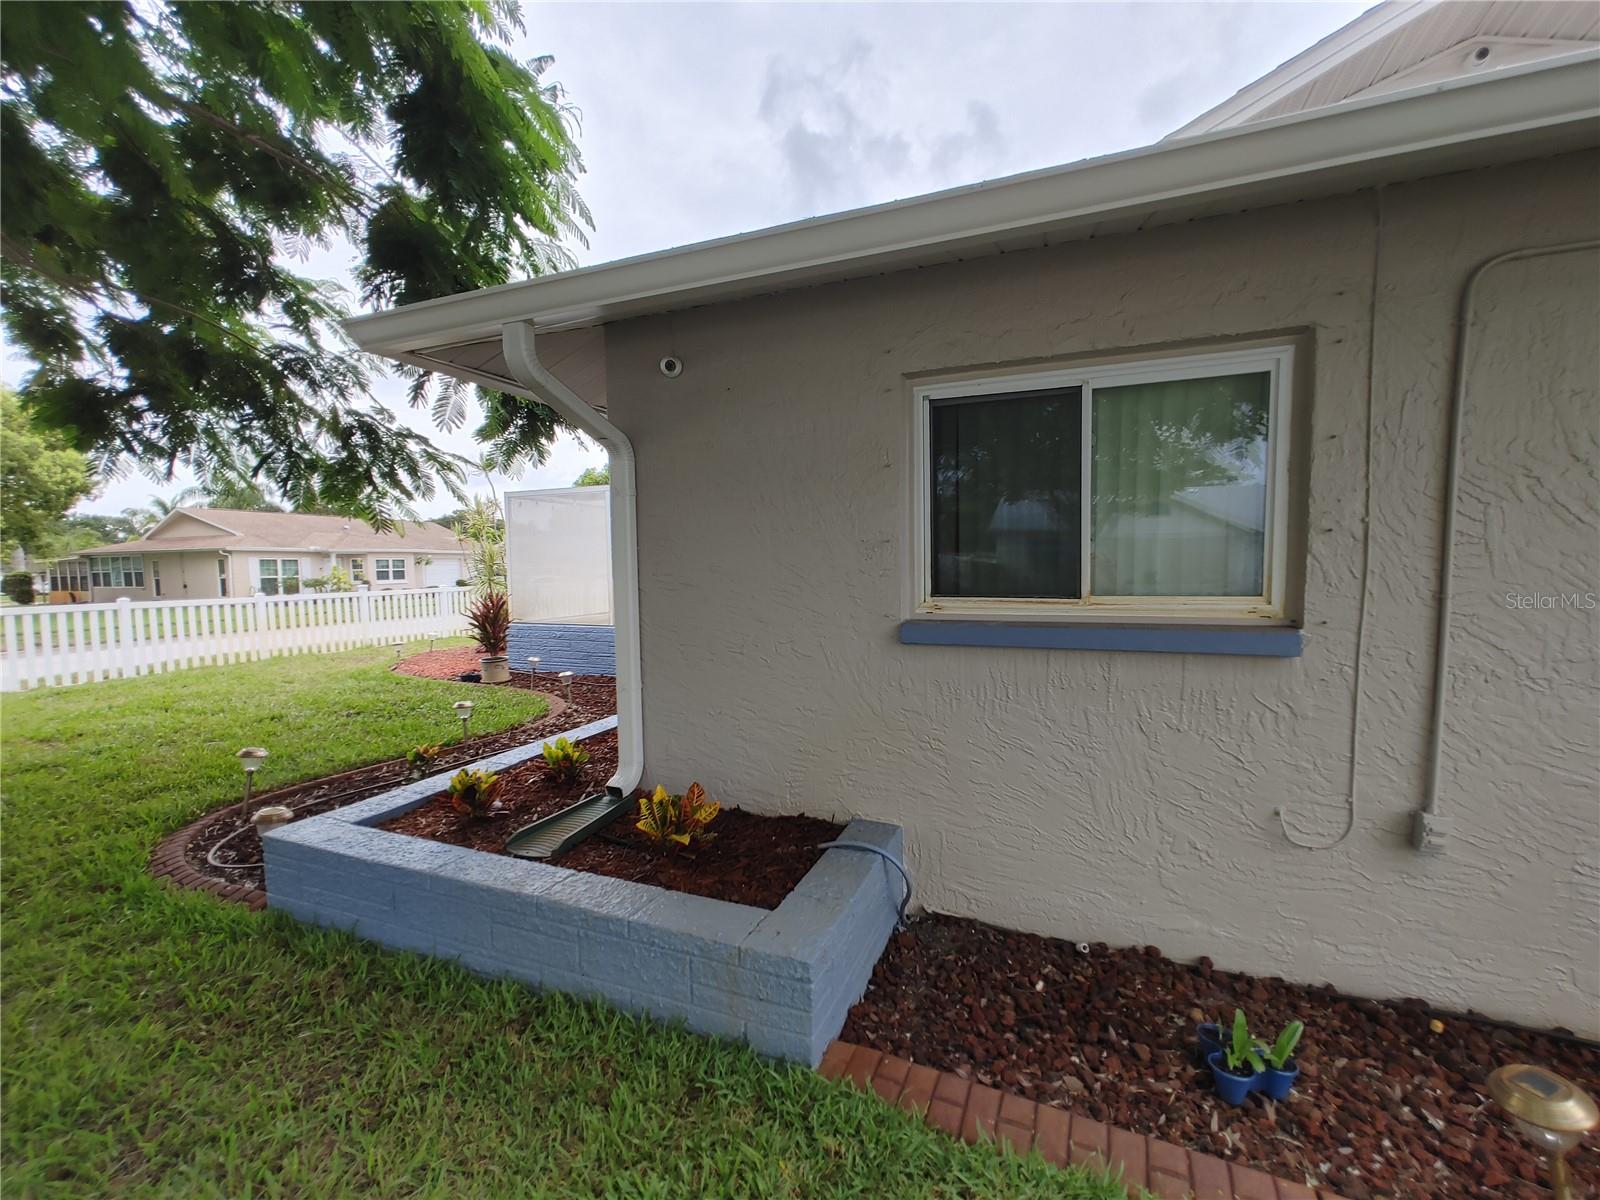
{"x": 56, "y": 645}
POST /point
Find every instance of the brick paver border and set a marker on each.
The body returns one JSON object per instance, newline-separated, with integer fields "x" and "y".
{"x": 169, "y": 860}
{"x": 974, "y": 1112}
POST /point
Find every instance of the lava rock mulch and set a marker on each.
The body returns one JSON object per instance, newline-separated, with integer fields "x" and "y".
{"x": 753, "y": 859}
{"x": 183, "y": 856}
{"x": 593, "y": 696}
{"x": 1385, "y": 1106}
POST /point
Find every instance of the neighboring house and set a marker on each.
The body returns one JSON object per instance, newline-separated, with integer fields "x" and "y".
{"x": 198, "y": 553}
{"x": 901, "y": 538}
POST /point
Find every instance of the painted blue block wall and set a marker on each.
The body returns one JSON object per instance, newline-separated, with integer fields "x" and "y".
{"x": 781, "y": 980}
{"x": 584, "y": 649}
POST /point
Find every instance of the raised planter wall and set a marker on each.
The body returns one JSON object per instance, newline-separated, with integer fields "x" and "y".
{"x": 781, "y": 980}
{"x": 584, "y": 649}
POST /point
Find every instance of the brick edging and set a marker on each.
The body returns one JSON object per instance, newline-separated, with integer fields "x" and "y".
{"x": 975, "y": 1112}
{"x": 170, "y": 861}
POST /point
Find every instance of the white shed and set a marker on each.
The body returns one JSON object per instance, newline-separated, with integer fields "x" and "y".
{"x": 558, "y": 555}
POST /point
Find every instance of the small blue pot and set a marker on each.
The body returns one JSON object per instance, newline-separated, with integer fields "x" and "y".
{"x": 1232, "y": 1088}
{"x": 1276, "y": 1083}
{"x": 1208, "y": 1039}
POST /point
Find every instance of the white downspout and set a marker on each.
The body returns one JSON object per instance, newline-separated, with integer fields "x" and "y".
{"x": 520, "y": 346}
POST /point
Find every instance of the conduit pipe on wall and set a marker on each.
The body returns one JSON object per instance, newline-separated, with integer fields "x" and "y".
{"x": 520, "y": 345}
{"x": 1452, "y": 488}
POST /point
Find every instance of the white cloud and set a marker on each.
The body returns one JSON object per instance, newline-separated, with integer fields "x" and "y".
{"x": 701, "y": 120}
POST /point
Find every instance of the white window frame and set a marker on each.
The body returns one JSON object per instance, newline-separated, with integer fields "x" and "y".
{"x": 384, "y": 570}
{"x": 1277, "y": 360}
{"x": 278, "y": 576}
{"x": 117, "y": 571}
{"x": 73, "y": 576}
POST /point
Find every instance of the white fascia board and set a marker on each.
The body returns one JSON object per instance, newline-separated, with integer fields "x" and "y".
{"x": 1520, "y": 112}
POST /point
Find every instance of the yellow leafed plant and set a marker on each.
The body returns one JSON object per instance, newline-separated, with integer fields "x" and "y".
{"x": 474, "y": 793}
{"x": 683, "y": 819}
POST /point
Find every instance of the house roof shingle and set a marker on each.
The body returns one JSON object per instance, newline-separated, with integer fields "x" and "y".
{"x": 239, "y": 530}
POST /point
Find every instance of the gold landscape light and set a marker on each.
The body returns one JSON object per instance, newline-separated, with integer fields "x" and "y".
{"x": 464, "y": 713}
{"x": 251, "y": 758}
{"x": 1553, "y": 1113}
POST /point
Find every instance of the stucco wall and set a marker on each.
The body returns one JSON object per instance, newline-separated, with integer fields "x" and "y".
{"x": 184, "y": 576}
{"x": 1131, "y": 797}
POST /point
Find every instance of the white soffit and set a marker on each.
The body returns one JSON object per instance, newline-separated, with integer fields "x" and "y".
{"x": 1518, "y": 113}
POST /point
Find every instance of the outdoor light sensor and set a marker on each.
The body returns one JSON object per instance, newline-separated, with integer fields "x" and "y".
{"x": 671, "y": 366}
{"x": 1553, "y": 1113}
{"x": 271, "y": 816}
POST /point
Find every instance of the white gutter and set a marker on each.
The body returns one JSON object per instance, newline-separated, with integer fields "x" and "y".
{"x": 519, "y": 344}
{"x": 1516, "y": 113}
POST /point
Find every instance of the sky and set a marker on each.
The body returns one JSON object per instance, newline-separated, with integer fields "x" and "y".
{"x": 698, "y": 121}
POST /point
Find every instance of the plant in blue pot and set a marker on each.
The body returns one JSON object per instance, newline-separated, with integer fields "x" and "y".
{"x": 1208, "y": 1040}
{"x": 1281, "y": 1070}
{"x": 1236, "y": 1068}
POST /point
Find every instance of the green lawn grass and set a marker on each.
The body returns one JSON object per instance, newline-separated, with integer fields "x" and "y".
{"x": 166, "y": 1043}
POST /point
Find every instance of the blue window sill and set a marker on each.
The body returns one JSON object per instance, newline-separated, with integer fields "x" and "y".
{"x": 1277, "y": 641}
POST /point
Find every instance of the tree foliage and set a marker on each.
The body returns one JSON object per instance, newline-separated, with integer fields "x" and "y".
{"x": 482, "y": 531}
{"x": 594, "y": 477}
{"x": 41, "y": 477}
{"x": 163, "y": 161}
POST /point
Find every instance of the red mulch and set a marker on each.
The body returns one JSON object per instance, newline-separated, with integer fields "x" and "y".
{"x": 591, "y": 694}
{"x": 527, "y": 793}
{"x": 1384, "y": 1106}
{"x": 753, "y": 859}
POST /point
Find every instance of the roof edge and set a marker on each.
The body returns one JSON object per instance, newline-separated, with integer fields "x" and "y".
{"x": 194, "y": 515}
{"x": 1559, "y": 93}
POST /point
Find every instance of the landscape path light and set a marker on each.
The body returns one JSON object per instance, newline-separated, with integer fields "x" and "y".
{"x": 397, "y": 647}
{"x": 1551, "y": 1111}
{"x": 251, "y": 758}
{"x": 566, "y": 684}
{"x": 533, "y": 664}
{"x": 464, "y": 712}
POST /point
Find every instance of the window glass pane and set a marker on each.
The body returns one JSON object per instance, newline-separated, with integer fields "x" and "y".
{"x": 1180, "y": 487}
{"x": 1005, "y": 504}
{"x": 397, "y": 567}
{"x": 291, "y": 566}
{"x": 269, "y": 568}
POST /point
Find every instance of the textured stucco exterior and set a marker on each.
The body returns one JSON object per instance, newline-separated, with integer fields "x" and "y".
{"x": 1131, "y": 797}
